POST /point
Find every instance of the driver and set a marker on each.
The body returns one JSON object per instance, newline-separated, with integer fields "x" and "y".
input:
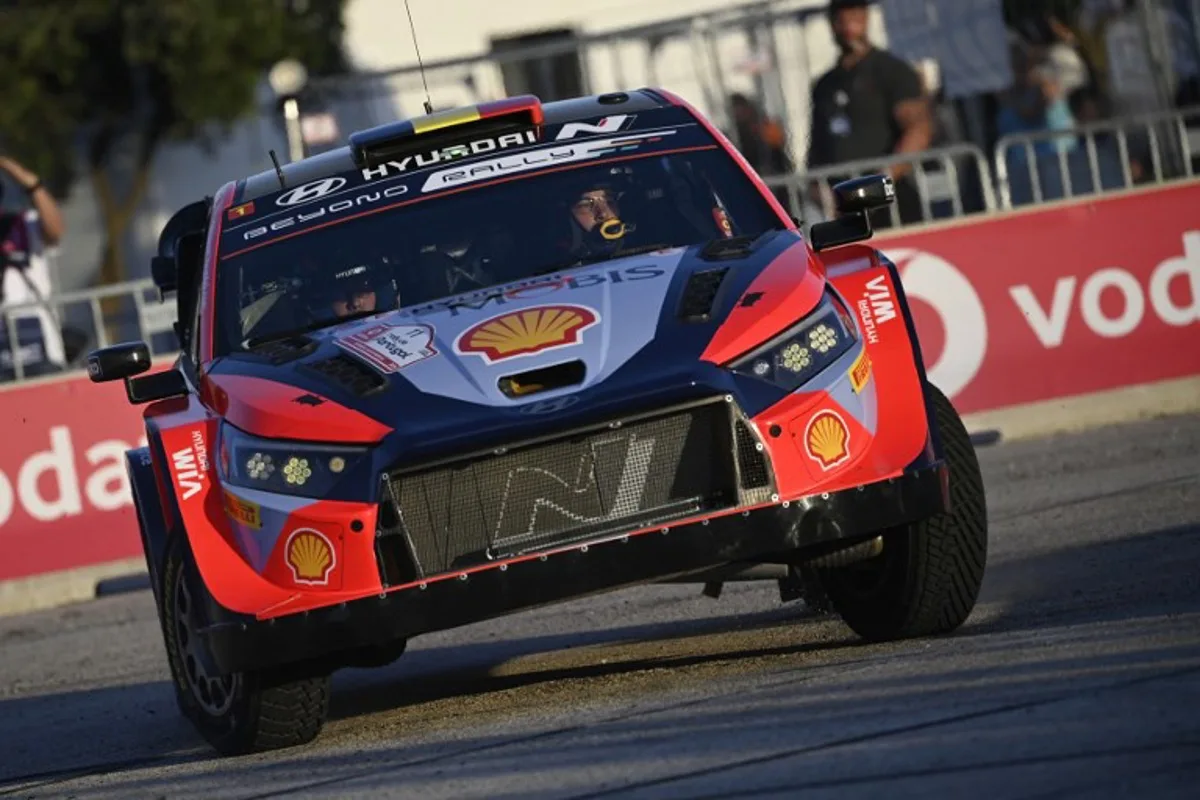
{"x": 347, "y": 291}
{"x": 596, "y": 222}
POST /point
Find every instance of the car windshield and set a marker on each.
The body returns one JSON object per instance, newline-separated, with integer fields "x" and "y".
{"x": 344, "y": 251}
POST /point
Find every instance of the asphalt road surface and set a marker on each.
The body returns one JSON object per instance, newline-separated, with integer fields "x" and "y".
{"x": 1077, "y": 676}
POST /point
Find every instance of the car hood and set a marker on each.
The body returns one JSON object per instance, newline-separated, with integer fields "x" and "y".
{"x": 629, "y": 331}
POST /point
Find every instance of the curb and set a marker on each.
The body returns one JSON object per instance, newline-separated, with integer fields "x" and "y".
{"x": 1083, "y": 412}
{"x": 52, "y": 589}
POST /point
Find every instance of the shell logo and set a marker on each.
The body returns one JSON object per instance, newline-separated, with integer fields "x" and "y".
{"x": 528, "y": 331}
{"x": 827, "y": 439}
{"x": 310, "y": 557}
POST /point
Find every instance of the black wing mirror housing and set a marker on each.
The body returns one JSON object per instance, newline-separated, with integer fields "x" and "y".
{"x": 855, "y": 200}
{"x": 864, "y": 194}
{"x": 126, "y": 362}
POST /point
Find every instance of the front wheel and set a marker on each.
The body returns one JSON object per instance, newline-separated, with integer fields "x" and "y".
{"x": 926, "y": 580}
{"x": 239, "y": 713}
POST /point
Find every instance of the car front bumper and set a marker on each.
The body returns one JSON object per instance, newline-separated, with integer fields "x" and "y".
{"x": 817, "y": 523}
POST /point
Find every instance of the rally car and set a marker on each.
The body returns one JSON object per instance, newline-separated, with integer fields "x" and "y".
{"x": 513, "y": 354}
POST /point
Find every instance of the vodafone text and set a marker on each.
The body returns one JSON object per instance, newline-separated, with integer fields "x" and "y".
{"x": 47, "y": 485}
{"x": 1050, "y": 324}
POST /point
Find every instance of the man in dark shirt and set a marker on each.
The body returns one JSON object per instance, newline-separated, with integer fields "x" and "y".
{"x": 870, "y": 105}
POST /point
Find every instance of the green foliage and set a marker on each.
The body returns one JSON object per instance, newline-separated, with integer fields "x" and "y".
{"x": 91, "y": 73}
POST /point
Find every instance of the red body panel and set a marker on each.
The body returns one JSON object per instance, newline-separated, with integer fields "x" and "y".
{"x": 267, "y": 408}
{"x": 790, "y": 286}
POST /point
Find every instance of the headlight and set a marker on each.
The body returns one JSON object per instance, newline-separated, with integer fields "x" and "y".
{"x": 297, "y": 468}
{"x": 799, "y": 354}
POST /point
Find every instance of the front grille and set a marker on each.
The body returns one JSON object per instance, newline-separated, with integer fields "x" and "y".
{"x": 531, "y": 497}
{"x": 755, "y": 474}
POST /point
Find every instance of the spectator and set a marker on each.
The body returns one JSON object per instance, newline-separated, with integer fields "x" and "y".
{"x": 869, "y": 106}
{"x": 1035, "y": 103}
{"x": 25, "y": 275}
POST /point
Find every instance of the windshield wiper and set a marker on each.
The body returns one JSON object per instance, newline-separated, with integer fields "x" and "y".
{"x": 580, "y": 262}
{"x": 259, "y": 341}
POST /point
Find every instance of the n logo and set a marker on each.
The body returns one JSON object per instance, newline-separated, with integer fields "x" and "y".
{"x": 607, "y": 483}
{"x": 607, "y": 125}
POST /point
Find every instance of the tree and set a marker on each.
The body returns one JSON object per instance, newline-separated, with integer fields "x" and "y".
{"x": 101, "y": 84}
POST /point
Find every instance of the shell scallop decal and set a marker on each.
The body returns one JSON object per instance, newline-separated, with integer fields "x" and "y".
{"x": 528, "y": 331}
{"x": 310, "y": 556}
{"x": 827, "y": 439}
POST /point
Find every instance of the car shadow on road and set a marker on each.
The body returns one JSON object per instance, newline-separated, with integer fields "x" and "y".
{"x": 1145, "y": 575}
{"x": 457, "y": 671}
{"x": 49, "y": 738}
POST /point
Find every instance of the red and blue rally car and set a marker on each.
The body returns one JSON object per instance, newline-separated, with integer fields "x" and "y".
{"x": 502, "y": 356}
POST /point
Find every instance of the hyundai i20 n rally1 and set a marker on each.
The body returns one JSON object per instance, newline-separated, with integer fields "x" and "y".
{"x": 508, "y": 355}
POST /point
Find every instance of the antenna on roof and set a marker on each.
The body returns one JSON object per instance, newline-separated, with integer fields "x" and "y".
{"x": 420, "y": 65}
{"x": 278, "y": 169}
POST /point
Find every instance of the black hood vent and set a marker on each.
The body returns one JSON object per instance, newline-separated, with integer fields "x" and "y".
{"x": 700, "y": 294}
{"x": 349, "y": 373}
{"x": 282, "y": 351}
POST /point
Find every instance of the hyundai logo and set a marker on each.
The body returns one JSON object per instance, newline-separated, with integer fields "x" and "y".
{"x": 551, "y": 406}
{"x": 310, "y": 191}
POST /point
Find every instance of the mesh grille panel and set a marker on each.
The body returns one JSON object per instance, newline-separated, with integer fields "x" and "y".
{"x": 557, "y": 492}
{"x": 755, "y": 473}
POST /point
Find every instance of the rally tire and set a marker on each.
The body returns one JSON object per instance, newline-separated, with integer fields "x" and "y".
{"x": 247, "y": 712}
{"x": 927, "y": 579}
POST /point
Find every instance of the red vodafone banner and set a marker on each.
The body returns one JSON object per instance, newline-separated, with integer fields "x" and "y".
{"x": 1081, "y": 297}
{"x": 64, "y": 493}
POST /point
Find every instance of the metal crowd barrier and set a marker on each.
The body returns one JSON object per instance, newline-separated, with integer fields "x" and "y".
{"x": 76, "y": 322}
{"x": 1097, "y": 157}
{"x": 948, "y": 182}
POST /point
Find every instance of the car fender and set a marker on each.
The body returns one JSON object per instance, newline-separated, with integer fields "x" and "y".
{"x": 182, "y": 437}
{"x": 864, "y": 275}
{"x": 867, "y": 418}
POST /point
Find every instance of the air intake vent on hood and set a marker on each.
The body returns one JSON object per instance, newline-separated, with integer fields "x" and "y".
{"x": 348, "y": 373}
{"x": 282, "y": 351}
{"x": 700, "y": 294}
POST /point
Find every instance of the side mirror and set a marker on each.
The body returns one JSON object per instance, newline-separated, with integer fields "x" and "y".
{"x": 118, "y": 362}
{"x": 126, "y": 362}
{"x": 837, "y": 232}
{"x": 864, "y": 194}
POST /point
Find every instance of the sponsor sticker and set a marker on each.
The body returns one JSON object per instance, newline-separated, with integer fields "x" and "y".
{"x": 860, "y": 371}
{"x": 190, "y": 465}
{"x": 237, "y": 212}
{"x": 309, "y": 192}
{"x": 391, "y": 346}
{"x": 827, "y": 439}
{"x": 876, "y": 307}
{"x": 525, "y": 332}
{"x": 309, "y": 555}
{"x": 243, "y": 511}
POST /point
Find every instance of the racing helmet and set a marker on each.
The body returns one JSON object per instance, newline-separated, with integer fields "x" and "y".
{"x": 343, "y": 284}
{"x": 617, "y": 183}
